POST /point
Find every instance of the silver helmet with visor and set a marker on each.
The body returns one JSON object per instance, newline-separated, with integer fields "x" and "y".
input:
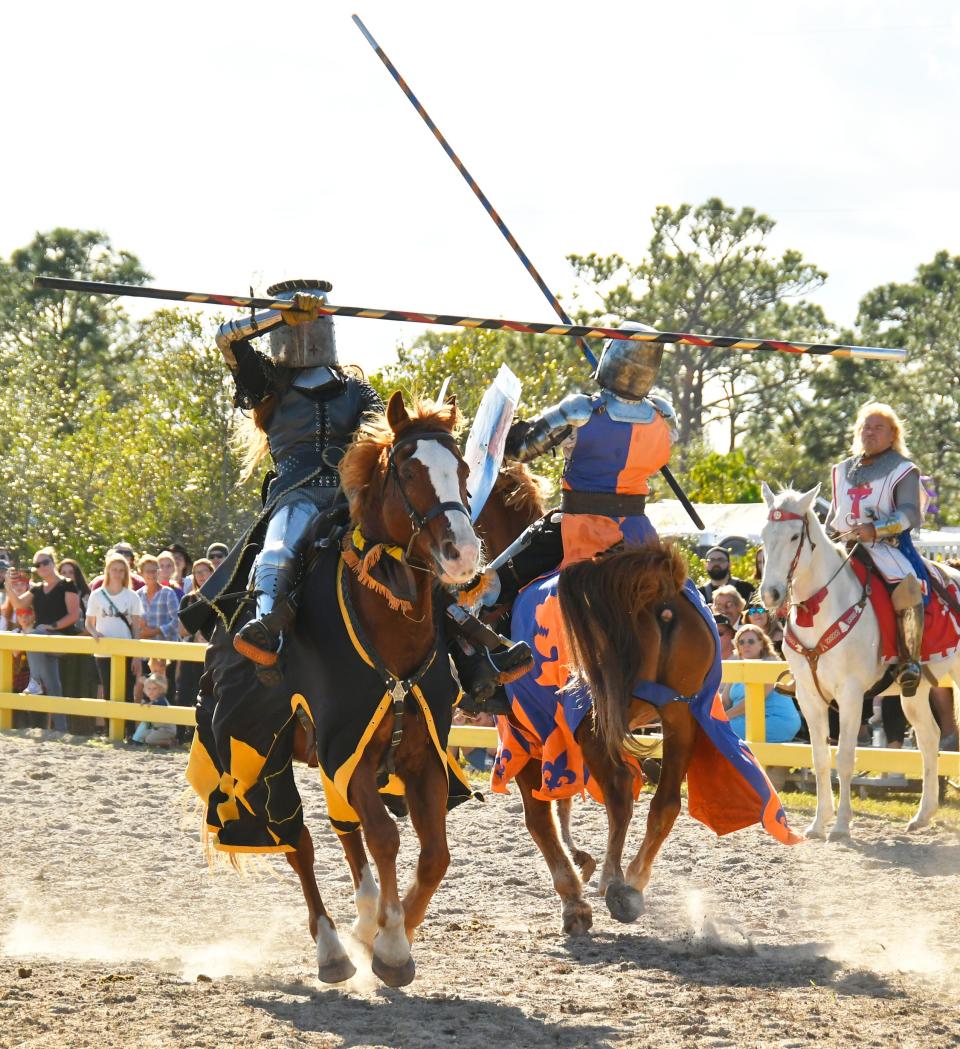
{"x": 305, "y": 345}
{"x": 629, "y": 369}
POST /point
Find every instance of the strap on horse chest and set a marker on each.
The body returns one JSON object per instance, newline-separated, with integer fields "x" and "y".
{"x": 399, "y": 688}
{"x": 831, "y": 636}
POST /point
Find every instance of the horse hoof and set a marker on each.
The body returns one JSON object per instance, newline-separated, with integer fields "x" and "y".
{"x": 624, "y": 902}
{"x": 841, "y": 834}
{"x": 394, "y": 975}
{"x": 337, "y": 971}
{"x": 815, "y": 833}
{"x": 918, "y": 824}
{"x": 586, "y": 863}
{"x": 577, "y": 918}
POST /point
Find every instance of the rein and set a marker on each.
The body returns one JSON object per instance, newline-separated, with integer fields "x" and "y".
{"x": 808, "y": 608}
{"x": 398, "y": 688}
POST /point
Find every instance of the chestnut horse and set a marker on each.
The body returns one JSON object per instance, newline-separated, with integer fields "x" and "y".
{"x": 626, "y": 620}
{"x": 406, "y": 482}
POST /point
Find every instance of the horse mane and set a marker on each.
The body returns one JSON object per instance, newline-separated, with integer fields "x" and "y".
{"x": 602, "y": 601}
{"x": 366, "y": 457}
{"x": 522, "y": 489}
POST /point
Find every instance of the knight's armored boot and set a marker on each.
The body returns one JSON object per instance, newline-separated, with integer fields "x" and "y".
{"x": 910, "y": 631}
{"x": 485, "y": 661}
{"x": 907, "y": 598}
{"x": 273, "y": 579}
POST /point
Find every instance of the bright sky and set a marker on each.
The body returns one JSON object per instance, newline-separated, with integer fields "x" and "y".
{"x": 230, "y": 144}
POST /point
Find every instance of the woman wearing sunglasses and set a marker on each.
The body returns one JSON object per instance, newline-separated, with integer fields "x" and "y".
{"x": 756, "y": 615}
{"x": 783, "y": 718}
{"x": 56, "y": 607}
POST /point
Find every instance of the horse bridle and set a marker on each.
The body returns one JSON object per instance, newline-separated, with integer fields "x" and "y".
{"x": 417, "y": 520}
{"x": 789, "y": 515}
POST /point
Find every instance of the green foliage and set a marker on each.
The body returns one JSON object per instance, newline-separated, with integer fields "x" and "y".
{"x": 708, "y": 269}
{"x": 548, "y": 367}
{"x": 716, "y": 478}
{"x": 109, "y": 429}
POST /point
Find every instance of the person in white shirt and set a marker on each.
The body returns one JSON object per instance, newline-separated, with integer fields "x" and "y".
{"x": 114, "y": 610}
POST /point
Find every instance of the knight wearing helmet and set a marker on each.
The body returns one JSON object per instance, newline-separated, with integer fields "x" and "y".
{"x": 305, "y": 408}
{"x": 876, "y": 501}
{"x": 613, "y": 440}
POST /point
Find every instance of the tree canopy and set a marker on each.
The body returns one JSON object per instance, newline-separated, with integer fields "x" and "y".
{"x": 113, "y": 428}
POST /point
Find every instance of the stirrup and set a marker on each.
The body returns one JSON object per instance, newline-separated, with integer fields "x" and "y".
{"x": 909, "y": 679}
{"x": 257, "y": 643}
{"x": 494, "y": 701}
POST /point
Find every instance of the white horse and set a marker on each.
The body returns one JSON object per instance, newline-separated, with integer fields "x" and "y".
{"x": 800, "y": 560}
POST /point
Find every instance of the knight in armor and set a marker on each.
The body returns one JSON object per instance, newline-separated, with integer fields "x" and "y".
{"x": 613, "y": 440}
{"x": 305, "y": 409}
{"x": 876, "y": 500}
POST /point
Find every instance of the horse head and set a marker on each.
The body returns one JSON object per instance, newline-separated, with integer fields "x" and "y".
{"x": 788, "y": 538}
{"x": 407, "y": 485}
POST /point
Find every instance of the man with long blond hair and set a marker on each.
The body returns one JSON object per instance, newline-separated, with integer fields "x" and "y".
{"x": 876, "y": 500}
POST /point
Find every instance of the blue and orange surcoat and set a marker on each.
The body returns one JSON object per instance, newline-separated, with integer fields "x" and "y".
{"x": 613, "y": 454}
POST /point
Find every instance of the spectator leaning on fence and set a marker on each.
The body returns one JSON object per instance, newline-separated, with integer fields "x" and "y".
{"x": 114, "y": 610}
{"x": 160, "y": 604}
{"x": 782, "y": 716}
{"x": 56, "y": 609}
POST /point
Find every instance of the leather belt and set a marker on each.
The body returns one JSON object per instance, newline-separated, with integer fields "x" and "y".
{"x": 610, "y": 504}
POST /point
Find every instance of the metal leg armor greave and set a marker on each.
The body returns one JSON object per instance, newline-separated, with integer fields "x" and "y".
{"x": 276, "y": 572}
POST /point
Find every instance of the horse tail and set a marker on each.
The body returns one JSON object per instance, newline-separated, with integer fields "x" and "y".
{"x": 609, "y": 638}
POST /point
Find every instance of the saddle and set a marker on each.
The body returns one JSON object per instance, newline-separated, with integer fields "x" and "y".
{"x": 941, "y": 620}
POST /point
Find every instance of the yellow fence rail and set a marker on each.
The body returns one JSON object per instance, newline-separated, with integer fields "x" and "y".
{"x": 754, "y": 674}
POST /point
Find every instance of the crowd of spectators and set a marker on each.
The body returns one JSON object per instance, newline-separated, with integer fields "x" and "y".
{"x": 139, "y": 597}
{"x": 133, "y": 597}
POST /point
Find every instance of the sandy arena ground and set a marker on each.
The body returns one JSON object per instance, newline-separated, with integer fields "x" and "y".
{"x": 113, "y": 932}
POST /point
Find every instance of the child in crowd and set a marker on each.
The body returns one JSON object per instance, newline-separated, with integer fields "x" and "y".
{"x": 151, "y": 733}
{"x": 156, "y": 667}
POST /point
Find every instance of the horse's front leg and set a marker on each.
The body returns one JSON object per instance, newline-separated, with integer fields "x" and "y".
{"x": 365, "y": 888}
{"x": 584, "y": 861}
{"x": 850, "y": 704}
{"x": 815, "y": 713}
{"x": 426, "y": 792}
{"x": 391, "y": 948}
{"x": 624, "y": 903}
{"x": 679, "y": 735}
{"x": 577, "y": 914}
{"x": 919, "y": 714}
{"x": 333, "y": 965}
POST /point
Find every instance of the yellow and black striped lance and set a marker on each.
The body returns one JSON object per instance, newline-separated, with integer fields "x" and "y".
{"x": 458, "y": 320}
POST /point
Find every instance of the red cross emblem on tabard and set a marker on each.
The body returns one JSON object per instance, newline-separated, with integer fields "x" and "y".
{"x": 857, "y": 495}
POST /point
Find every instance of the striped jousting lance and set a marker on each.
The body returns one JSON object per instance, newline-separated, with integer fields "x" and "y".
{"x": 472, "y": 183}
{"x": 92, "y": 287}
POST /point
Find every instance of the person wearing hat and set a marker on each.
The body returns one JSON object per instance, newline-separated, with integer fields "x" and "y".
{"x": 727, "y": 633}
{"x": 717, "y": 563}
{"x": 216, "y": 552}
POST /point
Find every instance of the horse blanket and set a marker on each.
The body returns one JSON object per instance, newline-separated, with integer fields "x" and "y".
{"x": 727, "y": 788}
{"x": 941, "y": 631}
{"x": 241, "y": 759}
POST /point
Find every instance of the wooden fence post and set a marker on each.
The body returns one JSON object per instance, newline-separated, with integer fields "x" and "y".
{"x": 118, "y": 693}
{"x": 6, "y": 685}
